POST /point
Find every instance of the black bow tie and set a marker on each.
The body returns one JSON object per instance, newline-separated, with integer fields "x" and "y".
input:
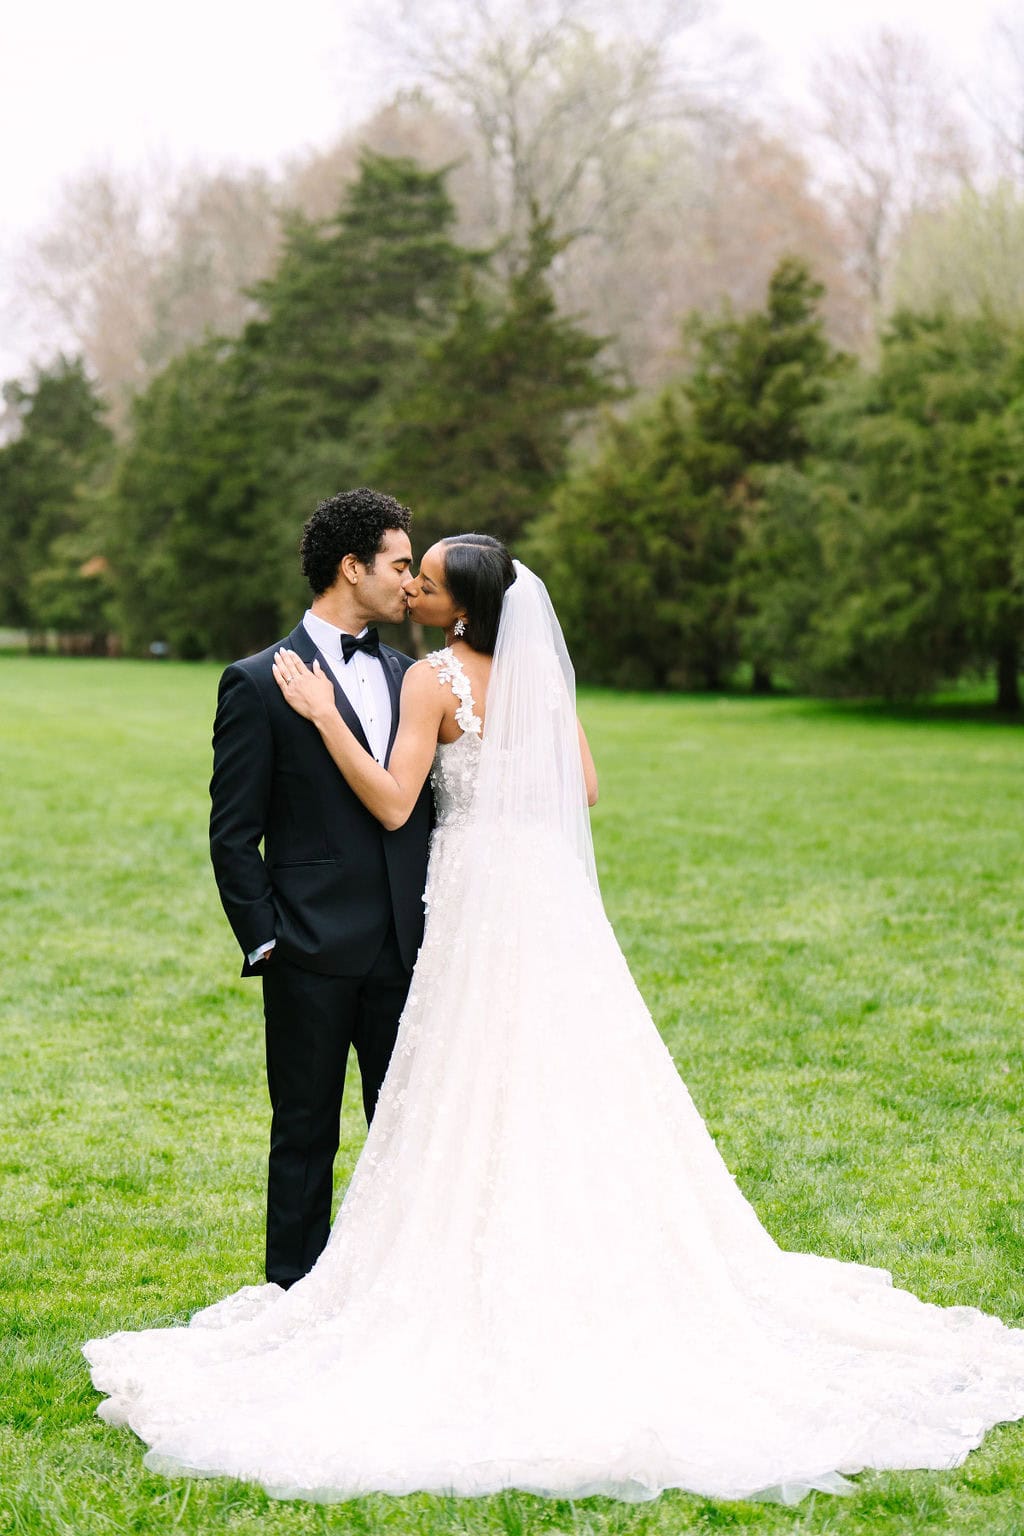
{"x": 370, "y": 643}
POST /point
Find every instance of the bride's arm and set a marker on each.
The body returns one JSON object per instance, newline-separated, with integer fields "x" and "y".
{"x": 589, "y": 771}
{"x": 388, "y": 793}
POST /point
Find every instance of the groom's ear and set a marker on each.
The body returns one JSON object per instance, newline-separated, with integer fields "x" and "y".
{"x": 348, "y": 570}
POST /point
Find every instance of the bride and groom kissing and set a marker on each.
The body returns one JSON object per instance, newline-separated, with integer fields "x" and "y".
{"x": 542, "y": 1274}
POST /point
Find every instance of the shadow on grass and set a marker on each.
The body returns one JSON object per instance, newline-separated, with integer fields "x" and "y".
{"x": 965, "y": 706}
{"x": 955, "y": 710}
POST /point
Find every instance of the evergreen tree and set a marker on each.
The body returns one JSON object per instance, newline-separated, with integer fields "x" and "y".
{"x": 351, "y": 299}
{"x": 201, "y": 559}
{"x": 638, "y": 558}
{"x": 923, "y": 541}
{"x": 52, "y": 567}
{"x": 671, "y": 513}
{"x": 233, "y": 444}
{"x": 479, "y": 437}
{"x": 754, "y": 384}
{"x": 755, "y": 376}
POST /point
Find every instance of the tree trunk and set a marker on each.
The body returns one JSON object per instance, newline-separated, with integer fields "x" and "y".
{"x": 1008, "y": 675}
{"x": 762, "y": 682}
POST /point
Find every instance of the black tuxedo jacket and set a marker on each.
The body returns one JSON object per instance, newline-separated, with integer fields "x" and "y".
{"x": 329, "y": 878}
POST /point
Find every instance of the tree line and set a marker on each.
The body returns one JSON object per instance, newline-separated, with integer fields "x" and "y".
{"x": 645, "y": 144}
{"x": 788, "y": 512}
{"x": 778, "y": 513}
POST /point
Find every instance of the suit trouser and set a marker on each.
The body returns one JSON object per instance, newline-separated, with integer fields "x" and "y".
{"x": 311, "y": 1021}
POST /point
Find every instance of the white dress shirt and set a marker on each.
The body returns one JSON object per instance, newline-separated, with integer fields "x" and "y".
{"x": 365, "y": 686}
{"x": 362, "y": 680}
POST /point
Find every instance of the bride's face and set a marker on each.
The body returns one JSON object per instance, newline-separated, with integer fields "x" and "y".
{"x": 430, "y": 602}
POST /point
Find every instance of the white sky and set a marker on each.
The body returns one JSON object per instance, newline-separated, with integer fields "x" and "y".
{"x": 794, "y": 32}
{"x": 133, "y": 82}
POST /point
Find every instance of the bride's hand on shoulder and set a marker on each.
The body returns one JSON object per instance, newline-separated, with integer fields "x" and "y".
{"x": 309, "y": 691}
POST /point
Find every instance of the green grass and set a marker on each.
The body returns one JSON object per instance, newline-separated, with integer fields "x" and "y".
{"x": 822, "y": 906}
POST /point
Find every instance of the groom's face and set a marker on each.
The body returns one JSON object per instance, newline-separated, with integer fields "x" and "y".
{"x": 380, "y": 587}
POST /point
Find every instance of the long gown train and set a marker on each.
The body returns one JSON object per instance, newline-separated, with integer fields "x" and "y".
{"x": 543, "y": 1275}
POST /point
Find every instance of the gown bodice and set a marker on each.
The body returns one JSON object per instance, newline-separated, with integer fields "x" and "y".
{"x": 456, "y": 766}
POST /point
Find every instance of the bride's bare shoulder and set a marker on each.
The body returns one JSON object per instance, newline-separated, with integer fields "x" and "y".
{"x": 419, "y": 685}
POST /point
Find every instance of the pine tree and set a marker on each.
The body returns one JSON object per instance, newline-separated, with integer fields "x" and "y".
{"x": 479, "y": 438}
{"x": 52, "y": 570}
{"x": 351, "y": 299}
{"x": 925, "y": 538}
{"x": 638, "y": 558}
{"x": 200, "y": 559}
{"x": 652, "y": 545}
{"x": 235, "y": 442}
{"x": 755, "y": 381}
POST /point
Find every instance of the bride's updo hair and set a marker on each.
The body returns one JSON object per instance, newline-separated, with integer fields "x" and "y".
{"x": 478, "y": 571}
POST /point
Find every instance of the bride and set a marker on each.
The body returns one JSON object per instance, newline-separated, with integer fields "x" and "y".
{"x": 542, "y": 1275}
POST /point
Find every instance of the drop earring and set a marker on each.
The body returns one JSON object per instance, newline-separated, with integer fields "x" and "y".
{"x": 459, "y": 628}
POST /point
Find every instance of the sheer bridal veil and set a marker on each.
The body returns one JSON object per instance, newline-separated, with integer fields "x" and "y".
{"x": 531, "y": 793}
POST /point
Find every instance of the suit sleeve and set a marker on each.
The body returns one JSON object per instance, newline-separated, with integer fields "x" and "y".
{"x": 240, "y": 796}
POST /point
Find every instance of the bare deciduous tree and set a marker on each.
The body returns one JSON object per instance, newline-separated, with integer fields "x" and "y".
{"x": 967, "y": 256}
{"x": 131, "y": 269}
{"x": 410, "y": 125}
{"x": 90, "y": 275}
{"x": 998, "y": 97}
{"x": 558, "y": 94}
{"x": 896, "y": 141}
{"x": 729, "y": 207}
{"x": 222, "y": 235}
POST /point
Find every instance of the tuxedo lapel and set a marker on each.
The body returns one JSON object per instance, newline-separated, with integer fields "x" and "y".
{"x": 301, "y": 642}
{"x": 393, "y": 674}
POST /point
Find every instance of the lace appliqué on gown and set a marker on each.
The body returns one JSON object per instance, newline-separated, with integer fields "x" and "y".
{"x": 450, "y": 670}
{"x": 456, "y": 763}
{"x": 542, "y": 1275}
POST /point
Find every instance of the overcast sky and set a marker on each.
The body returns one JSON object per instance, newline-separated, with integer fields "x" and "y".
{"x": 124, "y": 82}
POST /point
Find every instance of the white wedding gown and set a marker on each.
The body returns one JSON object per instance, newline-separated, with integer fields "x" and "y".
{"x": 542, "y": 1275}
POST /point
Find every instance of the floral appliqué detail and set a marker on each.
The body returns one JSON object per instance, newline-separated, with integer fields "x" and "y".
{"x": 456, "y": 763}
{"x": 449, "y": 670}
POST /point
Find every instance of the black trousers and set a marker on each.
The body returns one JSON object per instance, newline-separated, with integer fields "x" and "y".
{"x": 311, "y": 1021}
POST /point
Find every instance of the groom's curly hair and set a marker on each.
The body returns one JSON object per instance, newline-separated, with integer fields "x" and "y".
{"x": 350, "y": 523}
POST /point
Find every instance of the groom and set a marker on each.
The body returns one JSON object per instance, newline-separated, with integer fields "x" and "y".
{"x": 330, "y": 912}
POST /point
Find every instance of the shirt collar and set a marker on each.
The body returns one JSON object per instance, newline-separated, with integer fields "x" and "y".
{"x": 327, "y": 636}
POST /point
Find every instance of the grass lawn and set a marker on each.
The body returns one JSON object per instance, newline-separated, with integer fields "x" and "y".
{"x": 821, "y": 904}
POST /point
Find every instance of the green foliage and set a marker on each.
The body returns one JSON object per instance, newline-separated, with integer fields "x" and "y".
{"x": 201, "y": 558}
{"x": 919, "y": 488}
{"x": 351, "y": 299}
{"x": 479, "y": 437}
{"x": 53, "y": 571}
{"x": 781, "y": 569}
{"x": 964, "y": 256}
{"x": 858, "y": 532}
{"x": 829, "y": 943}
{"x": 234, "y": 443}
{"x": 635, "y": 557}
{"x": 377, "y": 356}
{"x": 755, "y": 376}
{"x": 843, "y": 529}
{"x": 649, "y": 546}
